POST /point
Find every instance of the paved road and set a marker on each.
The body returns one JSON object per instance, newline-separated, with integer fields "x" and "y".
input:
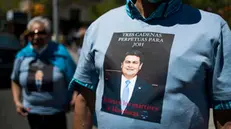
{"x": 10, "y": 120}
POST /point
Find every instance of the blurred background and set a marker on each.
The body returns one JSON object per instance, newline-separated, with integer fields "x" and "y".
{"x": 70, "y": 15}
{"x": 70, "y": 19}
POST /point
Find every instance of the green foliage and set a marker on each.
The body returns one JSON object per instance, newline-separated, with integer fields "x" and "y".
{"x": 221, "y": 7}
{"x": 14, "y": 4}
{"x": 203, "y": 4}
{"x": 97, "y": 10}
{"x": 48, "y": 5}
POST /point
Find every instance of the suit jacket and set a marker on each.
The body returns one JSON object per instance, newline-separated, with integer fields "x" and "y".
{"x": 141, "y": 104}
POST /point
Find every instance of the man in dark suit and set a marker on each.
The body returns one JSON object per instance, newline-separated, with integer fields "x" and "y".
{"x": 127, "y": 94}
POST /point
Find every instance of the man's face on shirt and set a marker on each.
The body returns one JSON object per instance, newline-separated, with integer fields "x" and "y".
{"x": 131, "y": 66}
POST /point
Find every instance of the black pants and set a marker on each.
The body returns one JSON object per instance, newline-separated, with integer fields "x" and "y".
{"x": 56, "y": 121}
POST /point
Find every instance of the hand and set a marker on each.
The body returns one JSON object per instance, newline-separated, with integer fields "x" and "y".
{"x": 226, "y": 126}
{"x": 21, "y": 110}
{"x": 70, "y": 106}
{"x": 75, "y": 93}
{"x": 72, "y": 103}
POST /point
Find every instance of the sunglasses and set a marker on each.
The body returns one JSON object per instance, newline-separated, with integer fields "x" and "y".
{"x": 32, "y": 33}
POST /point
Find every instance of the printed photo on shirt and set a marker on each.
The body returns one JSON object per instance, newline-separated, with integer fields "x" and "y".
{"x": 39, "y": 77}
{"x": 135, "y": 74}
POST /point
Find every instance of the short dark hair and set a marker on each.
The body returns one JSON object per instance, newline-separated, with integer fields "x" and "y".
{"x": 134, "y": 53}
